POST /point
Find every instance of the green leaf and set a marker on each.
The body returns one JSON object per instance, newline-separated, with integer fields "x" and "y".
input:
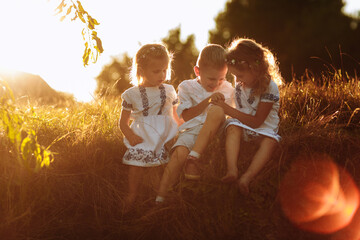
{"x": 75, "y": 17}
{"x": 47, "y": 158}
{"x": 86, "y": 56}
{"x": 69, "y": 10}
{"x": 99, "y": 45}
{"x": 83, "y": 34}
{"x": 81, "y": 9}
{"x": 26, "y": 148}
{"x": 86, "y": 50}
{"x": 60, "y": 7}
{"x": 80, "y": 15}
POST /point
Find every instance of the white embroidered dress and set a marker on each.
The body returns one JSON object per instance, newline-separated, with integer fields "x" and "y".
{"x": 152, "y": 113}
{"x": 248, "y": 104}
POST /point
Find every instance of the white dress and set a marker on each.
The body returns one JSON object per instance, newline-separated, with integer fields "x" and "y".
{"x": 248, "y": 104}
{"x": 152, "y": 113}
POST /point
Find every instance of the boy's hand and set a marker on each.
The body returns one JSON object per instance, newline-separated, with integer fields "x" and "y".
{"x": 217, "y": 97}
{"x": 135, "y": 139}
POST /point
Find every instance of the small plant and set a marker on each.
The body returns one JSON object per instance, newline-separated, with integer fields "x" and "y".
{"x": 29, "y": 153}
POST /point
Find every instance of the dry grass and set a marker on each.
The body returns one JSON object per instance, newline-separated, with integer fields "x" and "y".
{"x": 80, "y": 196}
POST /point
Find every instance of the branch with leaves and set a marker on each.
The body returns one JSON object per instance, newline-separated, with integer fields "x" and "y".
{"x": 93, "y": 44}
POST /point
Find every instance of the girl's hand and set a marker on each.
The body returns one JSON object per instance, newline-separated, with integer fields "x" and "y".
{"x": 219, "y": 103}
{"x": 135, "y": 139}
{"x": 217, "y": 97}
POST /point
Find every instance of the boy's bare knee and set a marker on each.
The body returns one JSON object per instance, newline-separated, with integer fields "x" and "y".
{"x": 216, "y": 112}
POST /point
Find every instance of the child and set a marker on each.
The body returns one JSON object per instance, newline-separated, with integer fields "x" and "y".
{"x": 196, "y": 96}
{"x": 257, "y": 105}
{"x": 152, "y": 105}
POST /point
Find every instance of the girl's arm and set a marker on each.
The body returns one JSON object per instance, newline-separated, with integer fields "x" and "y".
{"x": 126, "y": 130}
{"x": 198, "y": 109}
{"x": 255, "y": 121}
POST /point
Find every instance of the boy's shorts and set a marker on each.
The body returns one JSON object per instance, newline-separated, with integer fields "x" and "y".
{"x": 187, "y": 137}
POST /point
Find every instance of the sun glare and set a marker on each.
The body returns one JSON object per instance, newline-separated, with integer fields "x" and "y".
{"x": 34, "y": 40}
{"x": 318, "y": 196}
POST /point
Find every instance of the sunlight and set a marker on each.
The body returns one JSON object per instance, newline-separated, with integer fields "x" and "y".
{"x": 319, "y": 197}
{"x": 37, "y": 42}
{"x": 8, "y": 72}
{"x": 325, "y": 192}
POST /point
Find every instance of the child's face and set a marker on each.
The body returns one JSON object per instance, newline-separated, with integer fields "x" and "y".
{"x": 247, "y": 77}
{"x": 154, "y": 73}
{"x": 211, "y": 78}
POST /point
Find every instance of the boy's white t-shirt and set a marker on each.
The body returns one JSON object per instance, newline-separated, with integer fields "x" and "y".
{"x": 191, "y": 93}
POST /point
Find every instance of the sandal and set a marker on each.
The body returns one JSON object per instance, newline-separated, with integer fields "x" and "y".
{"x": 192, "y": 168}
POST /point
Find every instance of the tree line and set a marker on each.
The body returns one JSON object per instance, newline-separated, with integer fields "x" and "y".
{"x": 312, "y": 36}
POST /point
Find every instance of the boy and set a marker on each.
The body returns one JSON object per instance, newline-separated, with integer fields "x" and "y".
{"x": 196, "y": 110}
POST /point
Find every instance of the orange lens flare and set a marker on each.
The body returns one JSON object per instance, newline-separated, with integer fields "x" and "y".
{"x": 317, "y": 196}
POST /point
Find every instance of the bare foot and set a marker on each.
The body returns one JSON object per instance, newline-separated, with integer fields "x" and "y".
{"x": 243, "y": 185}
{"x": 230, "y": 176}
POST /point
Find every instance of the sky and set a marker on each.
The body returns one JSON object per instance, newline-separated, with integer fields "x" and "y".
{"x": 34, "y": 40}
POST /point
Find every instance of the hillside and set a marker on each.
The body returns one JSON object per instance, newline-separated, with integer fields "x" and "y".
{"x": 81, "y": 194}
{"x": 29, "y": 87}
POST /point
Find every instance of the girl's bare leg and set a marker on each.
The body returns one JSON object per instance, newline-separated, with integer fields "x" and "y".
{"x": 173, "y": 169}
{"x": 232, "y": 148}
{"x": 261, "y": 157}
{"x": 134, "y": 177}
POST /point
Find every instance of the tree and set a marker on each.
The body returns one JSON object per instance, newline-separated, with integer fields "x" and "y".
{"x": 185, "y": 55}
{"x": 114, "y": 78}
{"x": 296, "y": 31}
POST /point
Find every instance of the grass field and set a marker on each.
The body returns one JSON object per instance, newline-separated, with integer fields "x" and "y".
{"x": 80, "y": 195}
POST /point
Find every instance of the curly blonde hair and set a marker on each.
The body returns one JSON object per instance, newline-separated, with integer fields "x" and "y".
{"x": 245, "y": 53}
{"x": 142, "y": 58}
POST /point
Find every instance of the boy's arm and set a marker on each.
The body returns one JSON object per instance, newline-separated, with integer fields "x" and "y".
{"x": 192, "y": 112}
{"x": 198, "y": 109}
{"x": 186, "y": 109}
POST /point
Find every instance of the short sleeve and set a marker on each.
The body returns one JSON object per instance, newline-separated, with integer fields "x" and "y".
{"x": 173, "y": 96}
{"x": 126, "y": 101}
{"x": 184, "y": 98}
{"x": 272, "y": 94}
